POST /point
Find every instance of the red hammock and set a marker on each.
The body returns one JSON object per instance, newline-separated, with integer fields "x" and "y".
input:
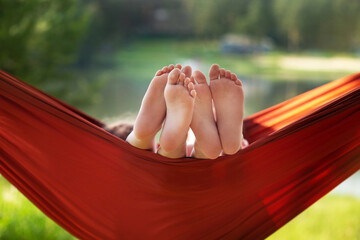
{"x": 97, "y": 186}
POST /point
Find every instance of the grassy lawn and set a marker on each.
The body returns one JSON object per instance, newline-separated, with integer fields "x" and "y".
{"x": 333, "y": 217}
{"x": 21, "y": 220}
{"x": 142, "y": 58}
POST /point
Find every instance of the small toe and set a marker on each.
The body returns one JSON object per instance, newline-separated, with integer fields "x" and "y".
{"x": 199, "y": 77}
{"x": 181, "y": 78}
{"x": 190, "y": 86}
{"x": 165, "y": 69}
{"x": 233, "y": 77}
{"x": 222, "y": 72}
{"x": 193, "y": 93}
{"x": 174, "y": 76}
{"x": 178, "y": 66}
{"x": 228, "y": 74}
{"x": 214, "y": 72}
{"x": 158, "y": 73}
{"x": 171, "y": 67}
{"x": 187, "y": 81}
{"x": 238, "y": 82}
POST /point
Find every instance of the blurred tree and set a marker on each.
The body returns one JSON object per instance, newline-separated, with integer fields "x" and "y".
{"x": 39, "y": 39}
{"x": 214, "y": 18}
{"x": 320, "y": 24}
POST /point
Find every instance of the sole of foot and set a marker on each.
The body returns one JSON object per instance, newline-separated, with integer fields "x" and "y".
{"x": 228, "y": 97}
{"x": 203, "y": 124}
{"x": 179, "y": 95}
{"x": 153, "y": 108}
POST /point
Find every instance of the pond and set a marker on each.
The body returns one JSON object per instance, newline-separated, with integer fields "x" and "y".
{"x": 123, "y": 97}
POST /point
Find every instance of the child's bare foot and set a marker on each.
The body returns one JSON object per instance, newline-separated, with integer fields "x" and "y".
{"x": 153, "y": 109}
{"x": 228, "y": 98}
{"x": 207, "y": 144}
{"x": 179, "y": 97}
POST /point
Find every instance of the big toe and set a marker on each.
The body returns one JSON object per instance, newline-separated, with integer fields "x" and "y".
{"x": 214, "y": 72}
{"x": 199, "y": 77}
{"x": 174, "y": 76}
{"x": 187, "y": 71}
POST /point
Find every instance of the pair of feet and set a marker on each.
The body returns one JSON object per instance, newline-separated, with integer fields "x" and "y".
{"x": 178, "y": 99}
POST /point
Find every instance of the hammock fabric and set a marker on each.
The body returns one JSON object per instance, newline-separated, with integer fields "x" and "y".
{"x": 97, "y": 186}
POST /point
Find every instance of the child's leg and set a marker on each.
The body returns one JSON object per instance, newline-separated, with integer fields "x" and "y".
{"x": 228, "y": 98}
{"x": 152, "y": 112}
{"x": 179, "y": 97}
{"x": 207, "y": 143}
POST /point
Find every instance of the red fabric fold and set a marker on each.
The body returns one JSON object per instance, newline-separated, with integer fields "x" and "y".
{"x": 96, "y": 186}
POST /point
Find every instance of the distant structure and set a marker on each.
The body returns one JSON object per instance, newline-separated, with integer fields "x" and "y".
{"x": 243, "y": 44}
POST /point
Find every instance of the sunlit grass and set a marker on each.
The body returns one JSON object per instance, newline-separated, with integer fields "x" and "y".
{"x": 141, "y": 58}
{"x": 21, "y": 220}
{"x": 333, "y": 217}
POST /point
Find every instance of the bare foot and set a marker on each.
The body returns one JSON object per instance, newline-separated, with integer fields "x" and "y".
{"x": 207, "y": 143}
{"x": 152, "y": 111}
{"x": 228, "y": 98}
{"x": 179, "y": 97}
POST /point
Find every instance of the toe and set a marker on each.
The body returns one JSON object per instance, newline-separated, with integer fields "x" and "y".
{"x": 191, "y": 89}
{"x": 233, "y": 77}
{"x": 178, "y": 66}
{"x": 187, "y": 71}
{"x": 190, "y": 86}
{"x": 228, "y": 74}
{"x": 158, "y": 73}
{"x": 238, "y": 82}
{"x": 174, "y": 76}
{"x": 214, "y": 72}
{"x": 171, "y": 67}
{"x": 199, "y": 77}
{"x": 181, "y": 78}
{"x": 222, "y": 72}
{"x": 165, "y": 69}
{"x": 187, "y": 81}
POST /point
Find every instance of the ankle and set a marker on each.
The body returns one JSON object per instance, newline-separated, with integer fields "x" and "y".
{"x": 142, "y": 143}
{"x": 201, "y": 154}
{"x": 179, "y": 152}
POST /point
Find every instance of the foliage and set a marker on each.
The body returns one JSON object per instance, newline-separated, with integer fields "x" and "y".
{"x": 62, "y": 46}
{"x": 39, "y": 40}
{"x": 329, "y": 24}
{"x": 321, "y": 24}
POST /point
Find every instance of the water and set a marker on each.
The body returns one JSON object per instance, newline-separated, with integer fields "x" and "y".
{"x": 121, "y": 99}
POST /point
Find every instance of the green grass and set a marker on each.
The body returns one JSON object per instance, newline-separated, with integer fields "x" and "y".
{"x": 333, "y": 217}
{"x": 141, "y": 59}
{"x": 21, "y": 220}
